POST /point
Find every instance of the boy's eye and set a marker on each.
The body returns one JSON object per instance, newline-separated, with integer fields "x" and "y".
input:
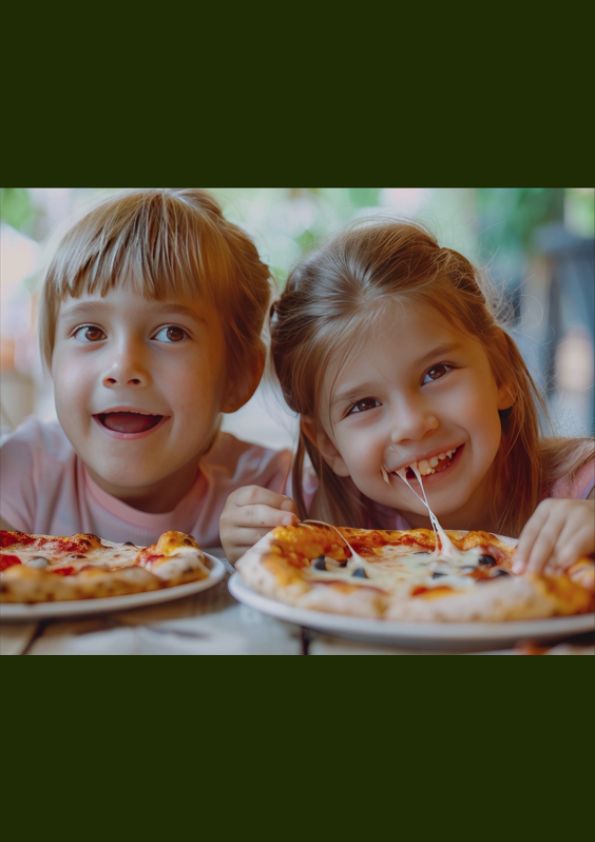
{"x": 363, "y": 405}
{"x": 88, "y": 333}
{"x": 171, "y": 333}
{"x": 436, "y": 372}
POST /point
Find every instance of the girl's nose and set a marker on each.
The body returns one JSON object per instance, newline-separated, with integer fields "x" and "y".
{"x": 413, "y": 423}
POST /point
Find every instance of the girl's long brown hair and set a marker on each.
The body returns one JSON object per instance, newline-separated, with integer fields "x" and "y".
{"x": 329, "y": 303}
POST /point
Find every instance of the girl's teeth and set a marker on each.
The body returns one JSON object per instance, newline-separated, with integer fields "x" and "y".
{"x": 427, "y": 466}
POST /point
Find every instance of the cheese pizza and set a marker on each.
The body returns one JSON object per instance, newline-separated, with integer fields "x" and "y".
{"x": 417, "y": 575}
{"x": 48, "y": 568}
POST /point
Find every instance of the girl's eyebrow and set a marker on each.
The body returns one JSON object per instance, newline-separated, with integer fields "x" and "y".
{"x": 444, "y": 348}
{"x": 352, "y": 392}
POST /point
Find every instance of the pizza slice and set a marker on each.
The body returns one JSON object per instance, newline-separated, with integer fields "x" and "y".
{"x": 47, "y": 568}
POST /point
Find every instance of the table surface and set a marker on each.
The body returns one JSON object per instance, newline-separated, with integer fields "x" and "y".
{"x": 210, "y": 622}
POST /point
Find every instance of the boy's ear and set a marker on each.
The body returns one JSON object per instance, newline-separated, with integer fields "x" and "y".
{"x": 242, "y": 386}
{"x": 323, "y": 443}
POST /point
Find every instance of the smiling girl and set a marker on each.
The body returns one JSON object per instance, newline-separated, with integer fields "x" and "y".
{"x": 150, "y": 325}
{"x": 385, "y": 345}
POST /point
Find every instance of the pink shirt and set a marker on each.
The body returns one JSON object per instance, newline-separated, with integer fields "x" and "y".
{"x": 45, "y": 488}
{"x": 577, "y": 487}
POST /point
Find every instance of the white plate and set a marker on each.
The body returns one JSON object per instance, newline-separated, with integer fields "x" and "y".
{"x": 70, "y": 608}
{"x": 437, "y": 636}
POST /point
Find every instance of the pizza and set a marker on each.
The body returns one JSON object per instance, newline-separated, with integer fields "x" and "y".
{"x": 49, "y": 568}
{"x": 410, "y": 575}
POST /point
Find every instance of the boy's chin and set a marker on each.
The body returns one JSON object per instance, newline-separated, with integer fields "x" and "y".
{"x": 127, "y": 485}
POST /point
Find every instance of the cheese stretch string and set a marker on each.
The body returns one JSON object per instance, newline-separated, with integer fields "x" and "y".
{"x": 444, "y": 547}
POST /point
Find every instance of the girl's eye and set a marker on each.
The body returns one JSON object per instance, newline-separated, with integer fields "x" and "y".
{"x": 171, "y": 333}
{"x": 88, "y": 333}
{"x": 436, "y": 372}
{"x": 363, "y": 405}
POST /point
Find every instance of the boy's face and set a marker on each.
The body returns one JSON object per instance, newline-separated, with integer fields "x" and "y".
{"x": 417, "y": 391}
{"x": 139, "y": 386}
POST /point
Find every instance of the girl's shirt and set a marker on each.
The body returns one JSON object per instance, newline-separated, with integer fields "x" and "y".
{"x": 45, "y": 488}
{"x": 578, "y": 486}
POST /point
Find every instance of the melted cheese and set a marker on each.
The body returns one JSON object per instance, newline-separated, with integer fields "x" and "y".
{"x": 445, "y": 549}
{"x": 399, "y": 568}
{"x": 355, "y": 560}
{"x": 51, "y": 556}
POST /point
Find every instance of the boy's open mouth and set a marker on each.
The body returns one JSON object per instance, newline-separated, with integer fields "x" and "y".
{"x": 128, "y": 422}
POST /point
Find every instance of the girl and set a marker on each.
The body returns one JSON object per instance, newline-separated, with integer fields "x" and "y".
{"x": 150, "y": 324}
{"x": 385, "y": 345}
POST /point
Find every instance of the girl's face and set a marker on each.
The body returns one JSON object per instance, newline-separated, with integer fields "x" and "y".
{"x": 139, "y": 385}
{"x": 419, "y": 392}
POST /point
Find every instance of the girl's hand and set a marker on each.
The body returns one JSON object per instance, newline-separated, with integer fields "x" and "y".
{"x": 249, "y": 513}
{"x": 557, "y": 534}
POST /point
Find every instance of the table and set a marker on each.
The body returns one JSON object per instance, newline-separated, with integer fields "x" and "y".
{"x": 208, "y": 623}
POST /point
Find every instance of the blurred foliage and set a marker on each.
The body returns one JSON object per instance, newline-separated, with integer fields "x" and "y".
{"x": 580, "y": 210}
{"x": 17, "y": 209}
{"x": 509, "y": 217}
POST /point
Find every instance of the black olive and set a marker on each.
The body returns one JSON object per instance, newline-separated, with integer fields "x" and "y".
{"x": 360, "y": 573}
{"x": 487, "y": 560}
{"x": 319, "y": 563}
{"x": 437, "y": 574}
{"x": 128, "y": 544}
{"x": 500, "y": 572}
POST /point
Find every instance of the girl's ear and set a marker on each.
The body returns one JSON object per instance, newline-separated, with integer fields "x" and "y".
{"x": 323, "y": 443}
{"x": 505, "y": 396}
{"x": 242, "y": 386}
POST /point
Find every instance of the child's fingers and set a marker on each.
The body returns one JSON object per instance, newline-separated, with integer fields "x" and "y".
{"x": 574, "y": 543}
{"x": 560, "y": 532}
{"x": 529, "y": 536}
{"x": 259, "y": 515}
{"x": 544, "y": 548}
{"x": 255, "y": 494}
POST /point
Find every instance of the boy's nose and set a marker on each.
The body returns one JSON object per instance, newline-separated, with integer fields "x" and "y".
{"x": 125, "y": 370}
{"x": 111, "y": 380}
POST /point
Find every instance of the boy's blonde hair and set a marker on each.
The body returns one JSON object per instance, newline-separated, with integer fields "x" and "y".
{"x": 164, "y": 243}
{"x": 330, "y": 304}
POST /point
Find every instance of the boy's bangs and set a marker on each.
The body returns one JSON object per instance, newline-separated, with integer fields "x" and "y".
{"x": 155, "y": 263}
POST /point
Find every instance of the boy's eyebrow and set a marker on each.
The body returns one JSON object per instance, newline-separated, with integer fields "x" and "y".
{"x": 353, "y": 392}
{"x": 83, "y": 306}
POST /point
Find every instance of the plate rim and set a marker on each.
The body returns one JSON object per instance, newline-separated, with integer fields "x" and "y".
{"x": 23, "y": 612}
{"x": 414, "y": 633}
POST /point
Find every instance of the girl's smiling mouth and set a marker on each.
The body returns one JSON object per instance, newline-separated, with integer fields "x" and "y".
{"x": 437, "y": 464}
